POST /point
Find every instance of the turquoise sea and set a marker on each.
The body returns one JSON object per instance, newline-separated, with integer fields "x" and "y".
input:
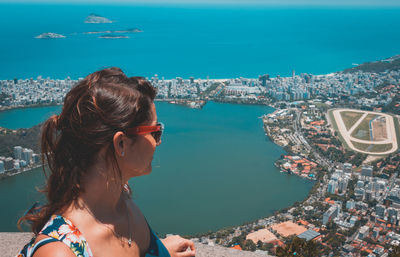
{"x": 213, "y": 169}
{"x": 216, "y": 41}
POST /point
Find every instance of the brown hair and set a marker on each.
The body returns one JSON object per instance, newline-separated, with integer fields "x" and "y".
{"x": 105, "y": 102}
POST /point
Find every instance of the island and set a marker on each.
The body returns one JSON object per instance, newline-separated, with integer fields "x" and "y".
{"x": 94, "y": 18}
{"x": 50, "y": 35}
{"x": 134, "y": 30}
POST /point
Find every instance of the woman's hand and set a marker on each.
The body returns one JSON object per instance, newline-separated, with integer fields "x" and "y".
{"x": 179, "y": 247}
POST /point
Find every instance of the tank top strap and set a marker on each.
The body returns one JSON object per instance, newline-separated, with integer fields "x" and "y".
{"x": 64, "y": 231}
{"x": 41, "y": 243}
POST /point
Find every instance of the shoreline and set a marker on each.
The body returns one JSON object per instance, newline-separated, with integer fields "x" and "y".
{"x": 11, "y": 173}
{"x": 168, "y": 101}
{"x": 9, "y": 108}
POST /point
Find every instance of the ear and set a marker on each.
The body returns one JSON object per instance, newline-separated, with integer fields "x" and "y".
{"x": 119, "y": 143}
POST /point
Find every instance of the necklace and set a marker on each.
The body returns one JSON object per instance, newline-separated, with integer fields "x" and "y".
{"x": 129, "y": 224}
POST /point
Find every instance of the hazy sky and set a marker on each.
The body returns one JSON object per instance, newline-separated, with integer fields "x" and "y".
{"x": 232, "y": 2}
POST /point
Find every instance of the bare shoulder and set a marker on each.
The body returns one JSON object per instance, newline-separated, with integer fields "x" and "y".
{"x": 54, "y": 249}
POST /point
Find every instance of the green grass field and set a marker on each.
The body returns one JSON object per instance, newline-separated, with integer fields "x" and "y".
{"x": 362, "y": 131}
{"x": 374, "y": 148}
{"x": 350, "y": 118}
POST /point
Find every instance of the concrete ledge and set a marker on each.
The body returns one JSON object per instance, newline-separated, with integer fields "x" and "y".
{"x": 12, "y": 242}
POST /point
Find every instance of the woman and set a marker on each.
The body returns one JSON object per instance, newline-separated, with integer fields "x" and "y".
{"x": 106, "y": 134}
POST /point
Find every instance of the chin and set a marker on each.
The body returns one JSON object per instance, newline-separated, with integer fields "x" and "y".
{"x": 148, "y": 170}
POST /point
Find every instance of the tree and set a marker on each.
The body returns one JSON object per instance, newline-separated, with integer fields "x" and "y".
{"x": 395, "y": 252}
{"x": 298, "y": 247}
{"x": 249, "y": 245}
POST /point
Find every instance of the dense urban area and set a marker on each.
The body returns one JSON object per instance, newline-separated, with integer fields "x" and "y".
{"x": 353, "y": 208}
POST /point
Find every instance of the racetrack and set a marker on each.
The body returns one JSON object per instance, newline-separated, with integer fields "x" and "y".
{"x": 390, "y": 135}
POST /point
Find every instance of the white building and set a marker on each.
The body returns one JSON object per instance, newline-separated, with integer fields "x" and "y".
{"x": 18, "y": 152}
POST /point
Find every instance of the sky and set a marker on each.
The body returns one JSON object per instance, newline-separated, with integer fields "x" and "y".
{"x": 229, "y": 2}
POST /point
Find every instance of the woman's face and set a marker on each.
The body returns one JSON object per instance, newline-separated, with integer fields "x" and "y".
{"x": 139, "y": 153}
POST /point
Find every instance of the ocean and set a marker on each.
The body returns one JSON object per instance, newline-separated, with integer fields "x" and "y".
{"x": 199, "y": 41}
{"x": 214, "y": 169}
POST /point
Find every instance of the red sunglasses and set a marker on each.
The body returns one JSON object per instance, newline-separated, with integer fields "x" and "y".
{"x": 156, "y": 131}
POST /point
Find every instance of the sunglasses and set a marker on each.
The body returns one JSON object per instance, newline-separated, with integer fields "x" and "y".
{"x": 156, "y": 131}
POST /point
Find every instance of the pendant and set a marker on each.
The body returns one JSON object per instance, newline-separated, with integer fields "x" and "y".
{"x": 130, "y": 242}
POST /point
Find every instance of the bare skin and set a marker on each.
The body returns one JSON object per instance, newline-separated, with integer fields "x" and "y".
{"x": 106, "y": 215}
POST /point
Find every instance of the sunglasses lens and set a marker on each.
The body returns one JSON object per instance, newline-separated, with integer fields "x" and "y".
{"x": 157, "y": 136}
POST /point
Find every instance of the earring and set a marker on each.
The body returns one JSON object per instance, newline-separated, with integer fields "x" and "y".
{"x": 122, "y": 154}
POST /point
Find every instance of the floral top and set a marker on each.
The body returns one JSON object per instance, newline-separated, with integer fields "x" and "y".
{"x": 59, "y": 229}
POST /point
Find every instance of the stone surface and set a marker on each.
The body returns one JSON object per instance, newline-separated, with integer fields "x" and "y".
{"x": 11, "y": 243}
{"x": 219, "y": 251}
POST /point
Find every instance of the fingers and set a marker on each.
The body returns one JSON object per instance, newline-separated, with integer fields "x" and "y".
{"x": 189, "y": 252}
{"x": 187, "y": 248}
{"x": 179, "y": 247}
{"x": 190, "y": 244}
{"x": 186, "y": 254}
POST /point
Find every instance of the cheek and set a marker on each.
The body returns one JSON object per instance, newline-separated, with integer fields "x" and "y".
{"x": 144, "y": 154}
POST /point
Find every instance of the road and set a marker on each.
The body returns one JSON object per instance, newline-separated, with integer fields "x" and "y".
{"x": 298, "y": 134}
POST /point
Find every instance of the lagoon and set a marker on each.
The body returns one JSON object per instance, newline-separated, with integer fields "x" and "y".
{"x": 214, "y": 169}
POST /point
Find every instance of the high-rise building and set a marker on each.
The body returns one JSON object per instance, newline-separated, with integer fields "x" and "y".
{"x": 8, "y": 163}
{"x": 392, "y": 214}
{"x": 367, "y": 171}
{"x": 347, "y": 167}
{"x": 18, "y": 152}
{"x": 363, "y": 233}
{"x": 332, "y": 186}
{"x": 35, "y": 158}
{"x": 342, "y": 185}
{"x": 331, "y": 213}
{"x": 350, "y": 204}
{"x": 27, "y": 155}
{"x": 380, "y": 210}
{"x": 359, "y": 193}
{"x": 369, "y": 195}
{"x": 22, "y": 163}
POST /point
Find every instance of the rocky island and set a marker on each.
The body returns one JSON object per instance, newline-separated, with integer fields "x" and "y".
{"x": 50, "y": 35}
{"x": 134, "y": 30}
{"x": 94, "y": 18}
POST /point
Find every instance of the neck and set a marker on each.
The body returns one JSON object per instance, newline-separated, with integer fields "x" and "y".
{"x": 103, "y": 195}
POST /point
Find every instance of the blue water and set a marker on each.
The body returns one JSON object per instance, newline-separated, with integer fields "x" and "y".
{"x": 213, "y": 169}
{"x": 27, "y": 117}
{"x": 186, "y": 41}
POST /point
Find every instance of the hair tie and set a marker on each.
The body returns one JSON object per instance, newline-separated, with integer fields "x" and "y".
{"x": 56, "y": 121}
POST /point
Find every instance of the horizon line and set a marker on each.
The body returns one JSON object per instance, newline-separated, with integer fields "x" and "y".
{"x": 287, "y": 3}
